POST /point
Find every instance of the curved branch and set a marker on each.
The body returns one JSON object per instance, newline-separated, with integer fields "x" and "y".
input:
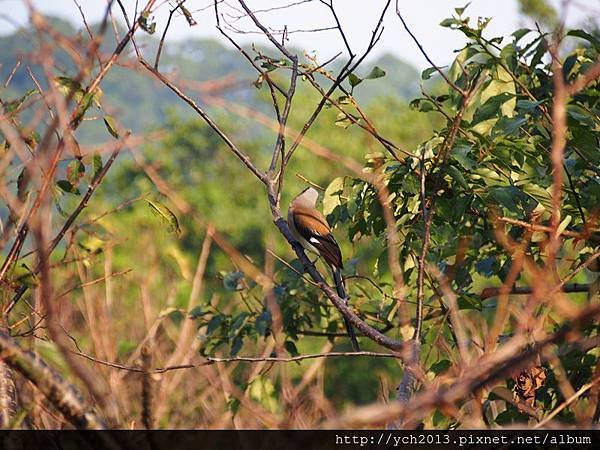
{"x": 63, "y": 395}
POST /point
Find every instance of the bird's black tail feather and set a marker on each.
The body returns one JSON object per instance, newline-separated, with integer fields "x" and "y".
{"x": 341, "y": 291}
{"x": 352, "y": 335}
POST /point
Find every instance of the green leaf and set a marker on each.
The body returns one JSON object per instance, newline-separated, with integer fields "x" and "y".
{"x": 290, "y": 347}
{"x": 491, "y": 177}
{"x": 14, "y": 105}
{"x": 268, "y": 66}
{"x": 536, "y": 192}
{"x": 459, "y": 11}
{"x": 21, "y": 183}
{"x": 343, "y": 120}
{"x": 67, "y": 187}
{"x": 508, "y": 126}
{"x": 426, "y": 74}
{"x": 520, "y": 33}
{"x": 197, "y": 312}
{"x": 422, "y": 104}
{"x": 213, "y": 324}
{"x": 563, "y": 225}
{"x": 376, "y": 72}
{"x": 528, "y": 106}
{"x": 354, "y": 80}
{"x": 469, "y": 302}
{"x": 236, "y": 346}
{"x": 585, "y": 35}
{"x": 109, "y": 123}
{"x": 238, "y": 323}
{"x": 97, "y": 165}
{"x": 461, "y": 154}
{"x": 86, "y": 102}
{"x": 263, "y": 391}
{"x": 580, "y": 115}
{"x": 501, "y": 83}
{"x": 440, "y": 366}
{"x": 506, "y": 196}
{"x": 438, "y": 418}
{"x": 66, "y": 85}
{"x": 457, "y": 176}
{"x": 232, "y": 281}
{"x": 234, "y": 405}
{"x": 263, "y": 323}
{"x": 491, "y": 108}
{"x": 486, "y": 266}
{"x": 540, "y": 51}
{"x": 24, "y": 275}
{"x": 569, "y": 64}
{"x": 509, "y": 55}
{"x": 450, "y": 22}
{"x": 165, "y": 215}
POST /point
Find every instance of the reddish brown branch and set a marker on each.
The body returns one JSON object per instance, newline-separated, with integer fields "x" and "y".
{"x": 487, "y": 369}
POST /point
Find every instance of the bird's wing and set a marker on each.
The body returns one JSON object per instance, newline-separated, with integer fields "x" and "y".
{"x": 313, "y": 227}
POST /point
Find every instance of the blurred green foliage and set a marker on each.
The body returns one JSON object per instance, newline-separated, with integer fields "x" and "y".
{"x": 540, "y": 10}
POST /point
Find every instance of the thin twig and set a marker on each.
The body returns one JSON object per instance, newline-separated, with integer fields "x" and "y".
{"x": 212, "y": 360}
{"x": 242, "y": 156}
{"x": 441, "y": 72}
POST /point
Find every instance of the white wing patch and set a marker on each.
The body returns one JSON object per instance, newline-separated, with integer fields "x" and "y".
{"x": 313, "y": 240}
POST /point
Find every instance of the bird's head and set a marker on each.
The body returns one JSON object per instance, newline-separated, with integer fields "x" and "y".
{"x": 307, "y": 198}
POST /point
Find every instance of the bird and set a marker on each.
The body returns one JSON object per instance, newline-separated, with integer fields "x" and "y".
{"x": 311, "y": 230}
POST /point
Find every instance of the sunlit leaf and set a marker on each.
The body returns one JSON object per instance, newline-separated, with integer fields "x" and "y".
{"x": 165, "y": 215}
{"x": 331, "y": 198}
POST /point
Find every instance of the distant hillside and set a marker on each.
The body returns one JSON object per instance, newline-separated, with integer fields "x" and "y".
{"x": 140, "y": 102}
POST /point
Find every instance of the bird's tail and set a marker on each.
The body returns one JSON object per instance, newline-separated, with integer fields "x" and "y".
{"x": 341, "y": 291}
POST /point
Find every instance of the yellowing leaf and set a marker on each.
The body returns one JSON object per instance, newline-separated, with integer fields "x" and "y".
{"x": 563, "y": 225}
{"x": 331, "y": 199}
{"x": 165, "y": 214}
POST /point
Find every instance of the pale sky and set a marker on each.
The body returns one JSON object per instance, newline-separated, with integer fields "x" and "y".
{"x": 358, "y": 18}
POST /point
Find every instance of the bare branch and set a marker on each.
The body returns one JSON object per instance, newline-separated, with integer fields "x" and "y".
{"x": 250, "y": 359}
{"x": 438, "y": 70}
{"x": 242, "y": 156}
